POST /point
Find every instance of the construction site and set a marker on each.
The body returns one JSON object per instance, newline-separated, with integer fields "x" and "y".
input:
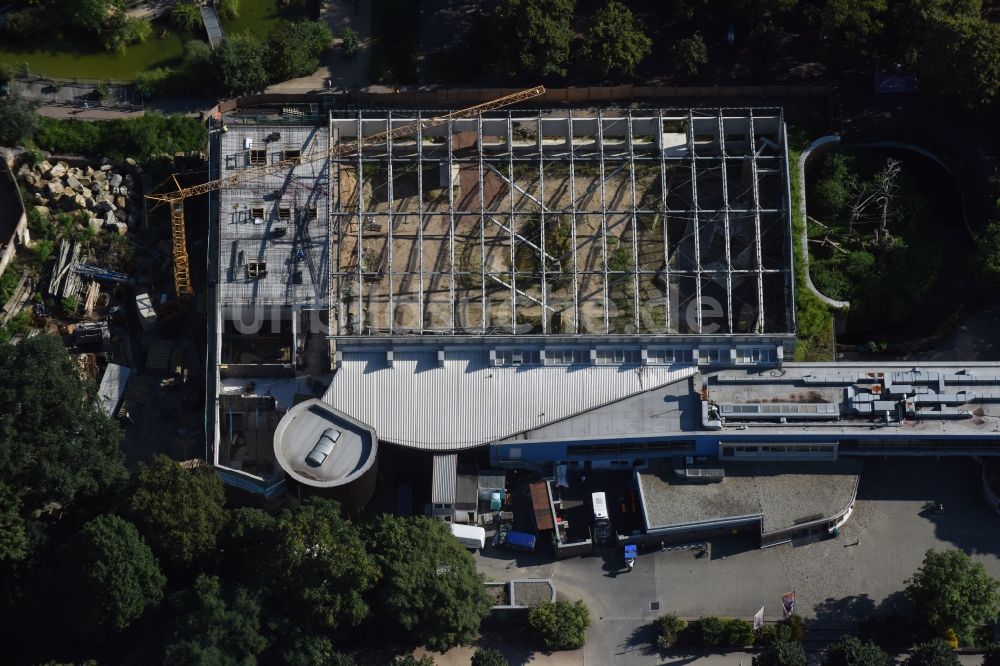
{"x": 644, "y": 222}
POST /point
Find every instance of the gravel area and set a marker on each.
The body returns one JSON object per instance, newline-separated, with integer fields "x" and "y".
{"x": 498, "y": 593}
{"x": 532, "y": 594}
{"x": 783, "y": 493}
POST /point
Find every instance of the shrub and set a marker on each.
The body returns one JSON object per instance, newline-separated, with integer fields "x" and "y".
{"x": 229, "y": 9}
{"x": 850, "y": 651}
{"x": 669, "y": 628}
{"x": 155, "y": 81}
{"x": 933, "y": 653}
{"x": 781, "y": 653}
{"x": 738, "y": 633}
{"x": 772, "y": 633}
{"x": 349, "y": 41}
{"x": 186, "y": 15}
{"x": 689, "y": 55}
{"x": 489, "y": 657}
{"x": 707, "y": 632}
{"x": 796, "y": 626}
{"x": 139, "y": 138}
{"x": 991, "y": 655}
{"x": 560, "y": 625}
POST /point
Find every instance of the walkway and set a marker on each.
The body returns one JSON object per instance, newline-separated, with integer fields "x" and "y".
{"x": 213, "y": 26}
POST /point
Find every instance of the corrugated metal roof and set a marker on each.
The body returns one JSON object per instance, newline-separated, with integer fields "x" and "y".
{"x": 112, "y": 388}
{"x": 445, "y": 478}
{"x": 468, "y": 403}
{"x": 540, "y": 505}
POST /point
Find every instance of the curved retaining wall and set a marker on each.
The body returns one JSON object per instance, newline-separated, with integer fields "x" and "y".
{"x": 821, "y": 144}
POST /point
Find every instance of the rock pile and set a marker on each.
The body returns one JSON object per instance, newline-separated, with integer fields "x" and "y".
{"x": 110, "y": 196}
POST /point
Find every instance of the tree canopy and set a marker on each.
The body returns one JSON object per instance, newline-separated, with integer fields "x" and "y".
{"x": 320, "y": 568}
{"x": 295, "y": 48}
{"x": 215, "y": 626}
{"x": 961, "y": 57}
{"x": 489, "y": 657}
{"x": 933, "y": 653}
{"x": 181, "y": 511}
{"x": 56, "y": 445}
{"x": 112, "y": 574}
{"x": 17, "y": 119}
{"x": 784, "y": 652}
{"x": 950, "y": 591}
{"x": 242, "y": 64}
{"x": 429, "y": 587}
{"x": 533, "y": 37}
{"x": 615, "y": 42}
{"x": 851, "y": 651}
{"x": 561, "y": 625}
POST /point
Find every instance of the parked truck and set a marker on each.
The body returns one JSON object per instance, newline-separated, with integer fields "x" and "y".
{"x": 602, "y": 522}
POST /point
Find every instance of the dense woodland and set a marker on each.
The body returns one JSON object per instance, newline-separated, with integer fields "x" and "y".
{"x": 157, "y": 568}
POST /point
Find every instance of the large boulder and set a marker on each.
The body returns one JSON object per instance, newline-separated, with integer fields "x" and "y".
{"x": 42, "y": 210}
{"x": 44, "y": 166}
{"x": 95, "y": 223}
{"x": 120, "y": 202}
{"x": 86, "y": 181}
{"x": 90, "y": 201}
{"x": 105, "y": 167}
{"x": 103, "y": 205}
{"x": 100, "y": 177}
{"x": 58, "y": 171}
{"x": 54, "y": 188}
{"x": 115, "y": 179}
{"x": 74, "y": 184}
{"x": 89, "y": 171}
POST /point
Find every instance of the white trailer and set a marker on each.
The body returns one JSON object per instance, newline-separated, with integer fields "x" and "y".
{"x": 470, "y": 536}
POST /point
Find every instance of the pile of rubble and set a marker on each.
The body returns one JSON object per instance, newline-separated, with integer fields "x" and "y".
{"x": 110, "y": 197}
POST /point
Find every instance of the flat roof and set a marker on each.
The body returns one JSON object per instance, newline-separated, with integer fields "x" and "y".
{"x": 464, "y": 401}
{"x": 300, "y": 429}
{"x": 782, "y": 494}
{"x": 282, "y": 219}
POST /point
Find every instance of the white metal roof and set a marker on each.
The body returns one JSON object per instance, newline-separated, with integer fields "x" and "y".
{"x": 466, "y": 402}
{"x": 445, "y": 478}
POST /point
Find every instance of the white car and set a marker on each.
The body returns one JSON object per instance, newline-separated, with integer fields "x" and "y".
{"x": 323, "y": 448}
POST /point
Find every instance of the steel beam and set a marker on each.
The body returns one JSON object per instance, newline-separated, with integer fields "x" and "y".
{"x": 694, "y": 210}
{"x": 725, "y": 222}
{"x": 756, "y": 226}
{"x": 604, "y": 215}
{"x": 635, "y": 227}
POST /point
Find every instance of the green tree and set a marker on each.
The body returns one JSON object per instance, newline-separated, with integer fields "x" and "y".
{"x": 92, "y": 15}
{"x": 707, "y": 632}
{"x": 349, "y": 41}
{"x": 17, "y": 119}
{"x": 15, "y": 543}
{"x": 186, "y": 15}
{"x": 296, "y": 48}
{"x": 111, "y": 573}
{"x": 212, "y": 626}
{"x": 429, "y": 587}
{"x": 246, "y": 544}
{"x": 961, "y": 58}
{"x": 56, "y": 445}
{"x": 690, "y": 54}
{"x": 180, "y": 511}
{"x": 950, "y": 591}
{"x": 852, "y": 27}
{"x": 229, "y": 9}
{"x": 341, "y": 659}
{"x": 489, "y": 657}
{"x": 615, "y": 42}
{"x": 932, "y": 653}
{"x": 781, "y": 653}
{"x": 851, "y": 651}
{"x": 560, "y": 625}
{"x": 669, "y": 628}
{"x": 320, "y": 569}
{"x": 241, "y": 64}
{"x": 533, "y": 37}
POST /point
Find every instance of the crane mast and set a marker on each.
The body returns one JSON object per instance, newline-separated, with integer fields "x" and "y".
{"x": 176, "y": 198}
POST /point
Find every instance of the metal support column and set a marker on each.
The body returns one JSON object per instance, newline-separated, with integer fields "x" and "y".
{"x": 663, "y": 217}
{"x": 420, "y": 223}
{"x": 756, "y": 226}
{"x": 541, "y": 224}
{"x": 482, "y": 224}
{"x": 635, "y": 226}
{"x": 604, "y": 215}
{"x": 572, "y": 199}
{"x": 694, "y": 210}
{"x": 513, "y": 223}
{"x": 725, "y": 222}
{"x": 361, "y": 223}
{"x": 452, "y": 292}
{"x": 390, "y": 223}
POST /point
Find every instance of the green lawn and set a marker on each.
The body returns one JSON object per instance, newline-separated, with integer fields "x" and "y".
{"x": 85, "y": 59}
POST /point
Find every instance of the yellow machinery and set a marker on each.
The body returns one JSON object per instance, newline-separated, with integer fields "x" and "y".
{"x": 175, "y": 199}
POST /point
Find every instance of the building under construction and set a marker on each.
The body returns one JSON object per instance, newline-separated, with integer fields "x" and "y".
{"x": 556, "y": 240}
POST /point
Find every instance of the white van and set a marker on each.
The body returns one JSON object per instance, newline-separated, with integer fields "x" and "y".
{"x": 470, "y": 536}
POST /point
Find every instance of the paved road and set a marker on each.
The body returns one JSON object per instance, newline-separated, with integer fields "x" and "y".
{"x": 835, "y": 581}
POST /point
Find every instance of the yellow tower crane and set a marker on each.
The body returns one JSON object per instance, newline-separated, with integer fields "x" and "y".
{"x": 175, "y": 199}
